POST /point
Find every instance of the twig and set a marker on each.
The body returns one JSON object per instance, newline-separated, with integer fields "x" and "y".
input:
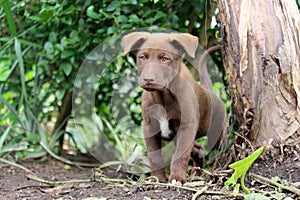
{"x": 15, "y": 165}
{"x": 131, "y": 182}
{"x": 56, "y": 156}
{"x": 169, "y": 185}
{"x": 116, "y": 180}
{"x": 55, "y": 183}
{"x": 199, "y": 192}
{"x": 279, "y": 185}
{"x": 102, "y": 179}
{"x": 64, "y": 160}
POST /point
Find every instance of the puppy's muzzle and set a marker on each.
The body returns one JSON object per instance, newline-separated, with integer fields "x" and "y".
{"x": 148, "y": 79}
{"x": 148, "y": 83}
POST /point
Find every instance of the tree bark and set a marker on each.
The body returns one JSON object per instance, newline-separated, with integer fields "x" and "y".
{"x": 262, "y": 61}
{"x": 63, "y": 116}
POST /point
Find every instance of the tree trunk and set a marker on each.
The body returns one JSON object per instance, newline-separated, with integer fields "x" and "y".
{"x": 63, "y": 116}
{"x": 262, "y": 60}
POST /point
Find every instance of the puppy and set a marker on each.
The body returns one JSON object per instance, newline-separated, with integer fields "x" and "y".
{"x": 174, "y": 106}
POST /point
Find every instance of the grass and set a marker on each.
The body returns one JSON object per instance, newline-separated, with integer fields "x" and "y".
{"x": 18, "y": 105}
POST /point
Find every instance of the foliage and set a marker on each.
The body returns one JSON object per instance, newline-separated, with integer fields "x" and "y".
{"x": 42, "y": 46}
{"x": 241, "y": 167}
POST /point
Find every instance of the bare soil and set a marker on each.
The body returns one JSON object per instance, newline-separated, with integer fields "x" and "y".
{"x": 14, "y": 184}
{"x": 84, "y": 183}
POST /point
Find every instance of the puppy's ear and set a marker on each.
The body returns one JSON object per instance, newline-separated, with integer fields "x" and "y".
{"x": 188, "y": 42}
{"x": 133, "y": 41}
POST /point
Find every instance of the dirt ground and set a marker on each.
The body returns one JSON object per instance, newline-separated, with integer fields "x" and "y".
{"x": 14, "y": 184}
{"x": 84, "y": 183}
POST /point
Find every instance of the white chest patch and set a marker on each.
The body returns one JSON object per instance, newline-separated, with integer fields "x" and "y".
{"x": 164, "y": 127}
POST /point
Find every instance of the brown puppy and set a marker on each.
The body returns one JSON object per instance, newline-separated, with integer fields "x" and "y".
{"x": 174, "y": 106}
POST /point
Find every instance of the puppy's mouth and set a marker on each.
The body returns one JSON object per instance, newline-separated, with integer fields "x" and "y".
{"x": 152, "y": 87}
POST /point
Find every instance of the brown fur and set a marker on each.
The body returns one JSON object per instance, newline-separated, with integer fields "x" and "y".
{"x": 172, "y": 95}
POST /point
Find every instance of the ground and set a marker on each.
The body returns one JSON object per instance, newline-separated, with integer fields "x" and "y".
{"x": 85, "y": 183}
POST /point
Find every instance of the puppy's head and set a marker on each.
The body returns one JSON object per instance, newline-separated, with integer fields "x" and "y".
{"x": 159, "y": 56}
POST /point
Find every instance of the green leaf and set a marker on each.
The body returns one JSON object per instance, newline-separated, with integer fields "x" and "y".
{"x": 133, "y": 2}
{"x": 46, "y": 14}
{"x": 113, "y": 6}
{"x": 122, "y": 19}
{"x": 133, "y": 18}
{"x": 159, "y": 15}
{"x": 12, "y": 110}
{"x": 29, "y": 43}
{"x": 3, "y": 137}
{"x": 21, "y": 146}
{"x": 60, "y": 77}
{"x": 90, "y": 12}
{"x": 18, "y": 50}
{"x": 102, "y": 12}
{"x": 112, "y": 30}
{"x": 35, "y": 18}
{"x": 32, "y": 138}
{"x": 4, "y": 69}
{"x": 236, "y": 189}
{"x": 9, "y": 18}
{"x": 67, "y": 54}
{"x": 67, "y": 68}
{"x": 2, "y": 2}
{"x": 60, "y": 94}
{"x": 241, "y": 167}
{"x": 49, "y": 47}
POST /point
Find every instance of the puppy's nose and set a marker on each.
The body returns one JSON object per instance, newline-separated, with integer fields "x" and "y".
{"x": 149, "y": 78}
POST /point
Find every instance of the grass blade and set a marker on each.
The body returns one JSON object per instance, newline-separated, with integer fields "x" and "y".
{"x": 2, "y": 2}
{"x": 3, "y": 137}
{"x": 116, "y": 137}
{"x": 37, "y": 125}
{"x": 12, "y": 110}
{"x": 4, "y": 46}
{"x": 13, "y": 68}
{"x": 9, "y": 18}
{"x": 18, "y": 51}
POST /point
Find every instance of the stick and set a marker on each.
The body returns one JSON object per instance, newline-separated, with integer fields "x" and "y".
{"x": 64, "y": 160}
{"x": 15, "y": 165}
{"x": 203, "y": 190}
{"x": 279, "y": 185}
{"x": 55, "y": 183}
{"x": 130, "y": 182}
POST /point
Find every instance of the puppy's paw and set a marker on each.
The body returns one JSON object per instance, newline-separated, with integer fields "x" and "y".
{"x": 177, "y": 180}
{"x": 176, "y": 183}
{"x": 158, "y": 176}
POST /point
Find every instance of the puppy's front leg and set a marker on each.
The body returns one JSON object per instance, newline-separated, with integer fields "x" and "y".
{"x": 184, "y": 144}
{"x": 154, "y": 143}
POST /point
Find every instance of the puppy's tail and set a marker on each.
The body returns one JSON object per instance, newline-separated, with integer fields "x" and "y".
{"x": 203, "y": 74}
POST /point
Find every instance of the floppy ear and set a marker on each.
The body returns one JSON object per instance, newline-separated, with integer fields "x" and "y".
{"x": 187, "y": 41}
{"x": 133, "y": 40}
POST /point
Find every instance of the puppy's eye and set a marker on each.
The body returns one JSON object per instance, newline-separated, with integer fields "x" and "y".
{"x": 142, "y": 57}
{"x": 165, "y": 59}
